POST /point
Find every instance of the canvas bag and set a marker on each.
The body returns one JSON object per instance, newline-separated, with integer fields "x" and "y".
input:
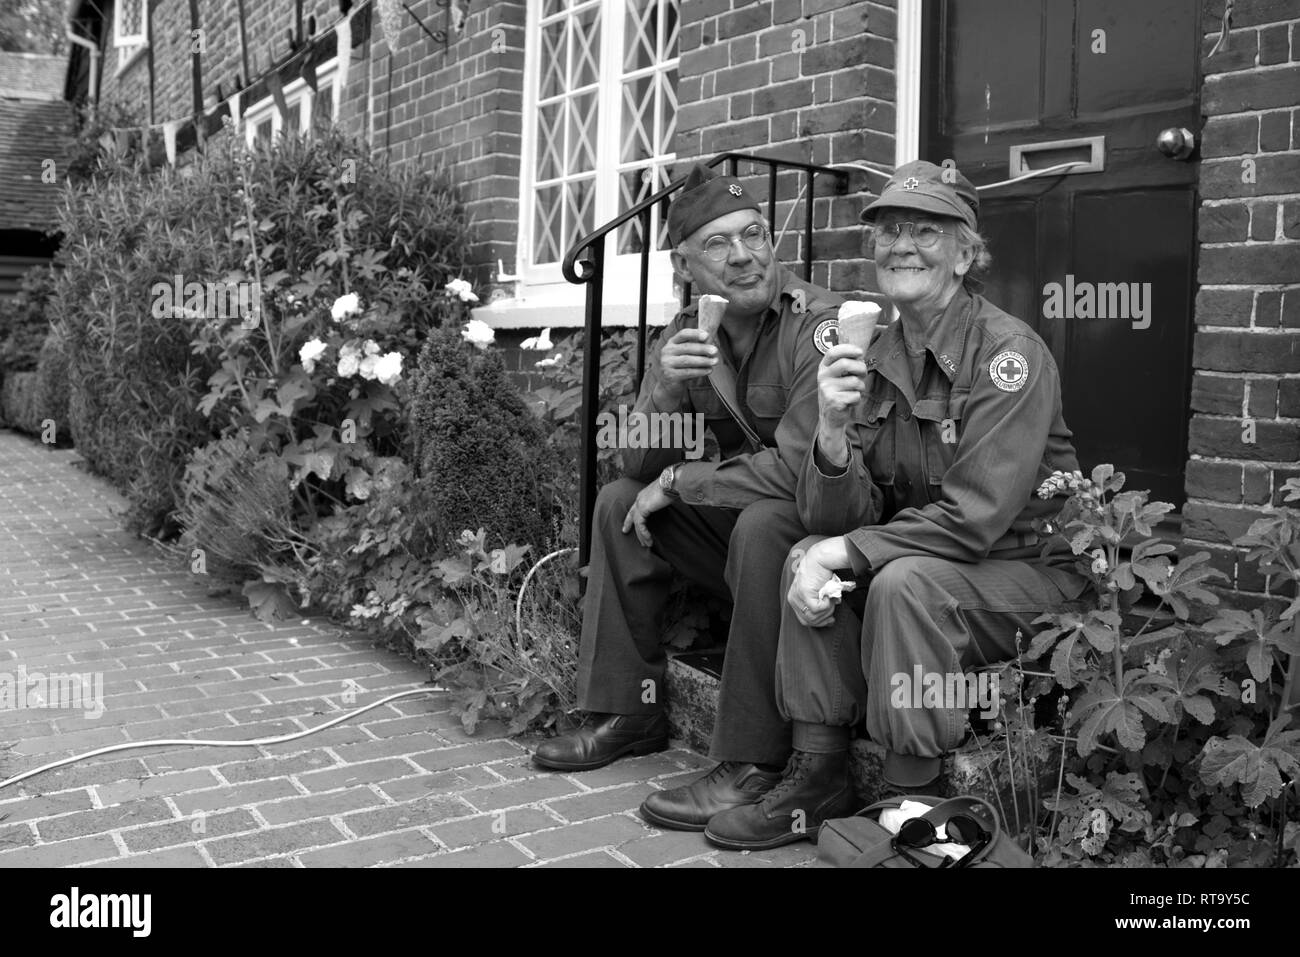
{"x": 861, "y": 841}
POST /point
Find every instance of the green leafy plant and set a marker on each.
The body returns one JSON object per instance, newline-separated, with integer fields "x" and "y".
{"x": 1165, "y": 714}
{"x": 483, "y": 454}
{"x": 503, "y": 665}
{"x": 309, "y": 222}
{"x": 25, "y": 321}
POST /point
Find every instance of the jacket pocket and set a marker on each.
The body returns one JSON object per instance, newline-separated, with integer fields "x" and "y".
{"x": 705, "y": 400}
{"x": 876, "y": 438}
{"x": 767, "y": 401}
{"x": 941, "y": 424}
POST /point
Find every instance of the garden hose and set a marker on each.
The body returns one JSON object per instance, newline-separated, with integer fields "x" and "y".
{"x": 519, "y": 602}
{"x": 174, "y": 742}
{"x": 281, "y": 739}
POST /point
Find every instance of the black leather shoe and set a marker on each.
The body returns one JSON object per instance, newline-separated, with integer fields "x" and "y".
{"x": 812, "y": 789}
{"x": 606, "y": 738}
{"x": 689, "y": 807}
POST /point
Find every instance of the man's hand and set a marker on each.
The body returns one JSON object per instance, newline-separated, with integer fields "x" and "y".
{"x": 648, "y": 501}
{"x": 841, "y": 384}
{"x": 687, "y": 355}
{"x": 809, "y": 577}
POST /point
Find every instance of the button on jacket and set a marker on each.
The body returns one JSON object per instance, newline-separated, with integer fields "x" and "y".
{"x": 957, "y": 460}
{"x": 776, "y": 392}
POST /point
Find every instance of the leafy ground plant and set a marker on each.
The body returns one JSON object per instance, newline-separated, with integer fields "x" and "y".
{"x": 1167, "y": 717}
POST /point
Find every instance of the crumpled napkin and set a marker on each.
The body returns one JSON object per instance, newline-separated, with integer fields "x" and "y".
{"x": 891, "y": 819}
{"x": 836, "y": 587}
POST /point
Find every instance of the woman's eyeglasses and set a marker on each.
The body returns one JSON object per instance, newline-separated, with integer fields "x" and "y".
{"x": 918, "y": 833}
{"x": 718, "y": 248}
{"x": 924, "y": 235}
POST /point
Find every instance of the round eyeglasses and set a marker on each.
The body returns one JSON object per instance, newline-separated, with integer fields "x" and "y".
{"x": 718, "y": 248}
{"x": 924, "y": 235}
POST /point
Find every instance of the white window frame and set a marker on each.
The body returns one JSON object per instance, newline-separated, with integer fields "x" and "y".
{"x": 299, "y": 92}
{"x": 608, "y": 165}
{"x": 130, "y": 46}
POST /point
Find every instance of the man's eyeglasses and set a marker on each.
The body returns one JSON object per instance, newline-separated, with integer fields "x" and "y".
{"x": 924, "y": 235}
{"x": 718, "y": 248}
{"x": 917, "y": 833}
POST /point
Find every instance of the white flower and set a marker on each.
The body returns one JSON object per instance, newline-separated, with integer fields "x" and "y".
{"x": 345, "y": 306}
{"x": 540, "y": 343}
{"x": 371, "y": 347}
{"x": 462, "y": 290}
{"x": 367, "y": 367}
{"x": 479, "y": 333}
{"x": 1099, "y": 565}
{"x": 349, "y": 360}
{"x": 547, "y": 363}
{"x": 311, "y": 350}
{"x": 389, "y": 368}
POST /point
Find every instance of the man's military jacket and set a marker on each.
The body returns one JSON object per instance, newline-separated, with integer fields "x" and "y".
{"x": 775, "y": 392}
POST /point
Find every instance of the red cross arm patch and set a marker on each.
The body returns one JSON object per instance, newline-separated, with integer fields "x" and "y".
{"x": 1009, "y": 371}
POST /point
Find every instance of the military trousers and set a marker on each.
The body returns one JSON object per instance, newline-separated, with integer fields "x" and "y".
{"x": 896, "y": 658}
{"x": 734, "y": 554}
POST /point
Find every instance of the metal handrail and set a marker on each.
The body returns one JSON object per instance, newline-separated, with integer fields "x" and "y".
{"x": 590, "y": 270}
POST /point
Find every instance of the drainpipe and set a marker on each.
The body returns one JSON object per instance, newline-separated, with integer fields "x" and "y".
{"x": 94, "y": 62}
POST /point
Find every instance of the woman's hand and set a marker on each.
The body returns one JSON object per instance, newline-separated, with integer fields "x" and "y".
{"x": 841, "y": 384}
{"x": 809, "y": 577}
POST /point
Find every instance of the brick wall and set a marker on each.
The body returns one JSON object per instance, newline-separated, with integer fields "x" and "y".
{"x": 811, "y": 80}
{"x": 463, "y": 110}
{"x": 1245, "y": 431}
{"x": 268, "y": 23}
{"x": 460, "y": 108}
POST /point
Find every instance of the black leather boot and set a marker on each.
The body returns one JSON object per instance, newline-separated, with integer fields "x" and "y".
{"x": 814, "y": 787}
{"x": 689, "y": 807}
{"x": 605, "y": 738}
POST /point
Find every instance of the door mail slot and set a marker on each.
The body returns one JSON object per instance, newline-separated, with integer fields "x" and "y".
{"x": 1088, "y": 151}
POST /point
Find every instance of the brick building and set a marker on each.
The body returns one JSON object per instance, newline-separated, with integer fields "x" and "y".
{"x": 1171, "y": 140}
{"x": 35, "y": 133}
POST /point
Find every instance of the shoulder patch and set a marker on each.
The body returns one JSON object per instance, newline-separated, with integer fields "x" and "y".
{"x": 827, "y": 335}
{"x": 1009, "y": 371}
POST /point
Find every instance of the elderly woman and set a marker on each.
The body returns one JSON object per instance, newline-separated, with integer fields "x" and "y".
{"x": 954, "y": 414}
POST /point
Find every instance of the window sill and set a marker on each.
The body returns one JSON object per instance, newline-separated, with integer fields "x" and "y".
{"x": 131, "y": 60}
{"x": 563, "y": 305}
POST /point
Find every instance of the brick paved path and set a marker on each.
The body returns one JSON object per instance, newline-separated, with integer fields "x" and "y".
{"x": 401, "y": 785}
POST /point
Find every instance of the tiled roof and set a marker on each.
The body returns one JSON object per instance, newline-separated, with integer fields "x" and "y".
{"x": 32, "y": 76}
{"x": 32, "y": 131}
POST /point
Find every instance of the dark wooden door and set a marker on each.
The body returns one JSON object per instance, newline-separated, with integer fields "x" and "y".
{"x": 1001, "y": 73}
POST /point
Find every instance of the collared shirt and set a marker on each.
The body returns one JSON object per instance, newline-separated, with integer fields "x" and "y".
{"x": 959, "y": 457}
{"x": 776, "y": 385}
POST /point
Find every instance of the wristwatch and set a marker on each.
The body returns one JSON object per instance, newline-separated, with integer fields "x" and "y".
{"x": 666, "y": 479}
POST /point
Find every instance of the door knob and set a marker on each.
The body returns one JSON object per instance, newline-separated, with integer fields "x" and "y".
{"x": 1176, "y": 142}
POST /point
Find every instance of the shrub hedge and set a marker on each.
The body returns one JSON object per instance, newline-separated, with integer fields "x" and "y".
{"x": 137, "y": 374}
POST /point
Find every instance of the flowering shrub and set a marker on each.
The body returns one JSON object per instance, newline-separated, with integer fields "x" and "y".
{"x": 304, "y": 223}
{"x": 1171, "y": 729}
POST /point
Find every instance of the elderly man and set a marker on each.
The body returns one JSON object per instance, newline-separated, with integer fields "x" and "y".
{"x": 725, "y": 526}
{"x": 956, "y": 409}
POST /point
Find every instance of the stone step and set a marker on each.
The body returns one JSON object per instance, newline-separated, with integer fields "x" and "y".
{"x": 693, "y": 680}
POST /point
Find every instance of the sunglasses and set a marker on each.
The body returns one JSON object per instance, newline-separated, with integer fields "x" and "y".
{"x": 918, "y": 833}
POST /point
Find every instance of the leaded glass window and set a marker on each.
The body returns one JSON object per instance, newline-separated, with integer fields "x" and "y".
{"x": 598, "y": 136}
